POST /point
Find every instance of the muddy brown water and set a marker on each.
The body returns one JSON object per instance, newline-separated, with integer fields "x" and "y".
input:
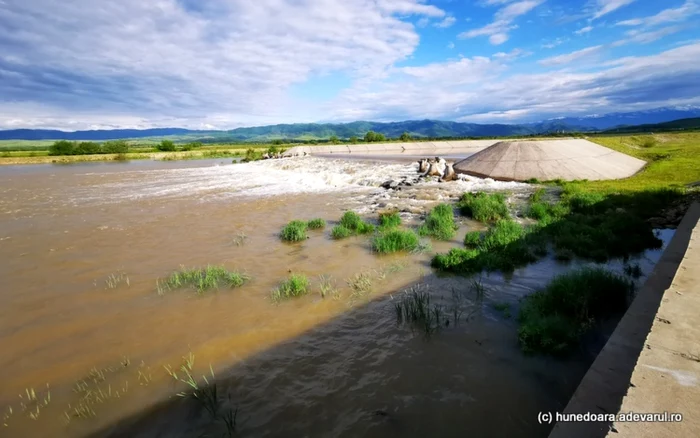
{"x": 313, "y": 366}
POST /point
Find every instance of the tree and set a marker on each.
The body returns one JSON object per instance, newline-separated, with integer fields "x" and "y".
{"x": 353, "y": 139}
{"x": 115, "y": 147}
{"x": 166, "y": 146}
{"x": 372, "y": 136}
{"x": 87, "y": 148}
{"x": 62, "y": 147}
{"x": 334, "y": 139}
{"x": 405, "y": 137}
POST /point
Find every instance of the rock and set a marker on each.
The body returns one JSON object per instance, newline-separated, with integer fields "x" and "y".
{"x": 434, "y": 170}
{"x": 423, "y": 166}
{"x": 449, "y": 173}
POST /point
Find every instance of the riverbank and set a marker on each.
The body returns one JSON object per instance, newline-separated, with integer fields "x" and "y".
{"x": 28, "y": 158}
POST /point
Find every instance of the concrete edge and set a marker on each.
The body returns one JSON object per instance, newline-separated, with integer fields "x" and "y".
{"x": 605, "y": 384}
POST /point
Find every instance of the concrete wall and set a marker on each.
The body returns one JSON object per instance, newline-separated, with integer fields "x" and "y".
{"x": 609, "y": 379}
{"x": 411, "y": 148}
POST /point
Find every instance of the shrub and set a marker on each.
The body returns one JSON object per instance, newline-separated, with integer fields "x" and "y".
{"x": 484, "y": 207}
{"x": 294, "y": 231}
{"x": 166, "y": 146}
{"x": 316, "y": 224}
{"x": 440, "y": 223}
{"x": 87, "y": 148}
{"x": 389, "y": 220}
{"x": 340, "y": 232}
{"x": 62, "y": 147}
{"x": 372, "y": 136}
{"x": 553, "y": 319}
{"x": 295, "y": 286}
{"x": 394, "y": 241}
{"x": 115, "y": 147}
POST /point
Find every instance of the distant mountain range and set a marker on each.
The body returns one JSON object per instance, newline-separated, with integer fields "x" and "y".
{"x": 416, "y": 128}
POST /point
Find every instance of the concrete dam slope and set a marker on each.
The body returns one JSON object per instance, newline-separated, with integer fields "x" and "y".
{"x": 569, "y": 159}
{"x": 651, "y": 363}
{"x": 427, "y": 148}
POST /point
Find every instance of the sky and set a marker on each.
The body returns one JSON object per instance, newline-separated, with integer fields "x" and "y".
{"x": 222, "y": 64}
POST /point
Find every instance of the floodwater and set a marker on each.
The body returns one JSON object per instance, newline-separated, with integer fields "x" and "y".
{"x": 312, "y": 366}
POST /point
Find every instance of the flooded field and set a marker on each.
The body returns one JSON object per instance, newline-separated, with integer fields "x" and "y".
{"x": 83, "y": 246}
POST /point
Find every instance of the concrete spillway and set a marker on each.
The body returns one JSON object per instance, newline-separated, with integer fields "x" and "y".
{"x": 427, "y": 148}
{"x": 568, "y": 160}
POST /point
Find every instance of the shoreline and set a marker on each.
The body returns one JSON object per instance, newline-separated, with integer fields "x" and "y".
{"x": 129, "y": 156}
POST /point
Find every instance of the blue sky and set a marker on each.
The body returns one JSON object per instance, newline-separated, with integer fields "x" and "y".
{"x": 89, "y": 64}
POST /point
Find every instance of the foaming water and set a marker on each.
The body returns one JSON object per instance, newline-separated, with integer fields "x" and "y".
{"x": 314, "y": 366}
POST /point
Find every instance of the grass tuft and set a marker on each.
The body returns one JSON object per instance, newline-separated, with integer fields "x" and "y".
{"x": 351, "y": 224}
{"x": 440, "y": 223}
{"x": 202, "y": 279}
{"x": 484, "y": 207}
{"x": 394, "y": 241}
{"x": 295, "y": 231}
{"x": 295, "y": 286}
{"x": 553, "y": 319}
{"x": 389, "y": 220}
{"x": 316, "y": 224}
{"x": 414, "y": 309}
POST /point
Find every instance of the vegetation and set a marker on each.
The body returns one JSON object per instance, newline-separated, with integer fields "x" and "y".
{"x": 484, "y": 207}
{"x": 440, "y": 223}
{"x": 389, "y": 220}
{"x": 340, "y": 232}
{"x": 295, "y": 286}
{"x": 371, "y": 137}
{"x": 553, "y": 319}
{"x": 202, "y": 279}
{"x": 405, "y": 136}
{"x": 351, "y": 224}
{"x": 316, "y": 224}
{"x": 504, "y": 247}
{"x": 64, "y": 147}
{"x": 166, "y": 146}
{"x": 295, "y": 231}
{"x": 394, "y": 241}
{"x": 414, "y": 309}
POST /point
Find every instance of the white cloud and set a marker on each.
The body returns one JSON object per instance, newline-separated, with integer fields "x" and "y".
{"x": 682, "y": 13}
{"x": 497, "y": 31}
{"x": 553, "y": 44}
{"x": 226, "y": 61}
{"x": 584, "y": 30}
{"x": 645, "y": 37}
{"x": 569, "y": 57}
{"x": 447, "y": 22}
{"x": 493, "y": 94}
{"x": 605, "y": 7}
{"x": 450, "y": 45}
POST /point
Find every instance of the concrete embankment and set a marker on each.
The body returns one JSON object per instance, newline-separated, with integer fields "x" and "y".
{"x": 427, "y": 148}
{"x": 650, "y": 364}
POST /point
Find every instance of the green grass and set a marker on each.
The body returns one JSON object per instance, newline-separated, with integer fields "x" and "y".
{"x": 553, "y": 319}
{"x": 484, "y": 207}
{"x": 203, "y": 279}
{"x": 295, "y": 231}
{"x": 389, "y": 220}
{"x": 351, "y": 224}
{"x": 340, "y": 232}
{"x": 316, "y": 224}
{"x": 673, "y": 161}
{"x": 413, "y": 308}
{"x": 395, "y": 241}
{"x": 440, "y": 223}
{"x": 472, "y": 239}
{"x": 295, "y": 286}
{"x": 504, "y": 247}
{"x": 504, "y": 308}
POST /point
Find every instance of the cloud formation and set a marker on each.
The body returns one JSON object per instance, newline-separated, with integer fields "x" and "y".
{"x": 236, "y": 59}
{"x": 689, "y": 9}
{"x": 605, "y": 7}
{"x": 497, "y": 31}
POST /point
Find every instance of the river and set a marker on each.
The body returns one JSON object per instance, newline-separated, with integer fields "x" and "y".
{"x": 334, "y": 366}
